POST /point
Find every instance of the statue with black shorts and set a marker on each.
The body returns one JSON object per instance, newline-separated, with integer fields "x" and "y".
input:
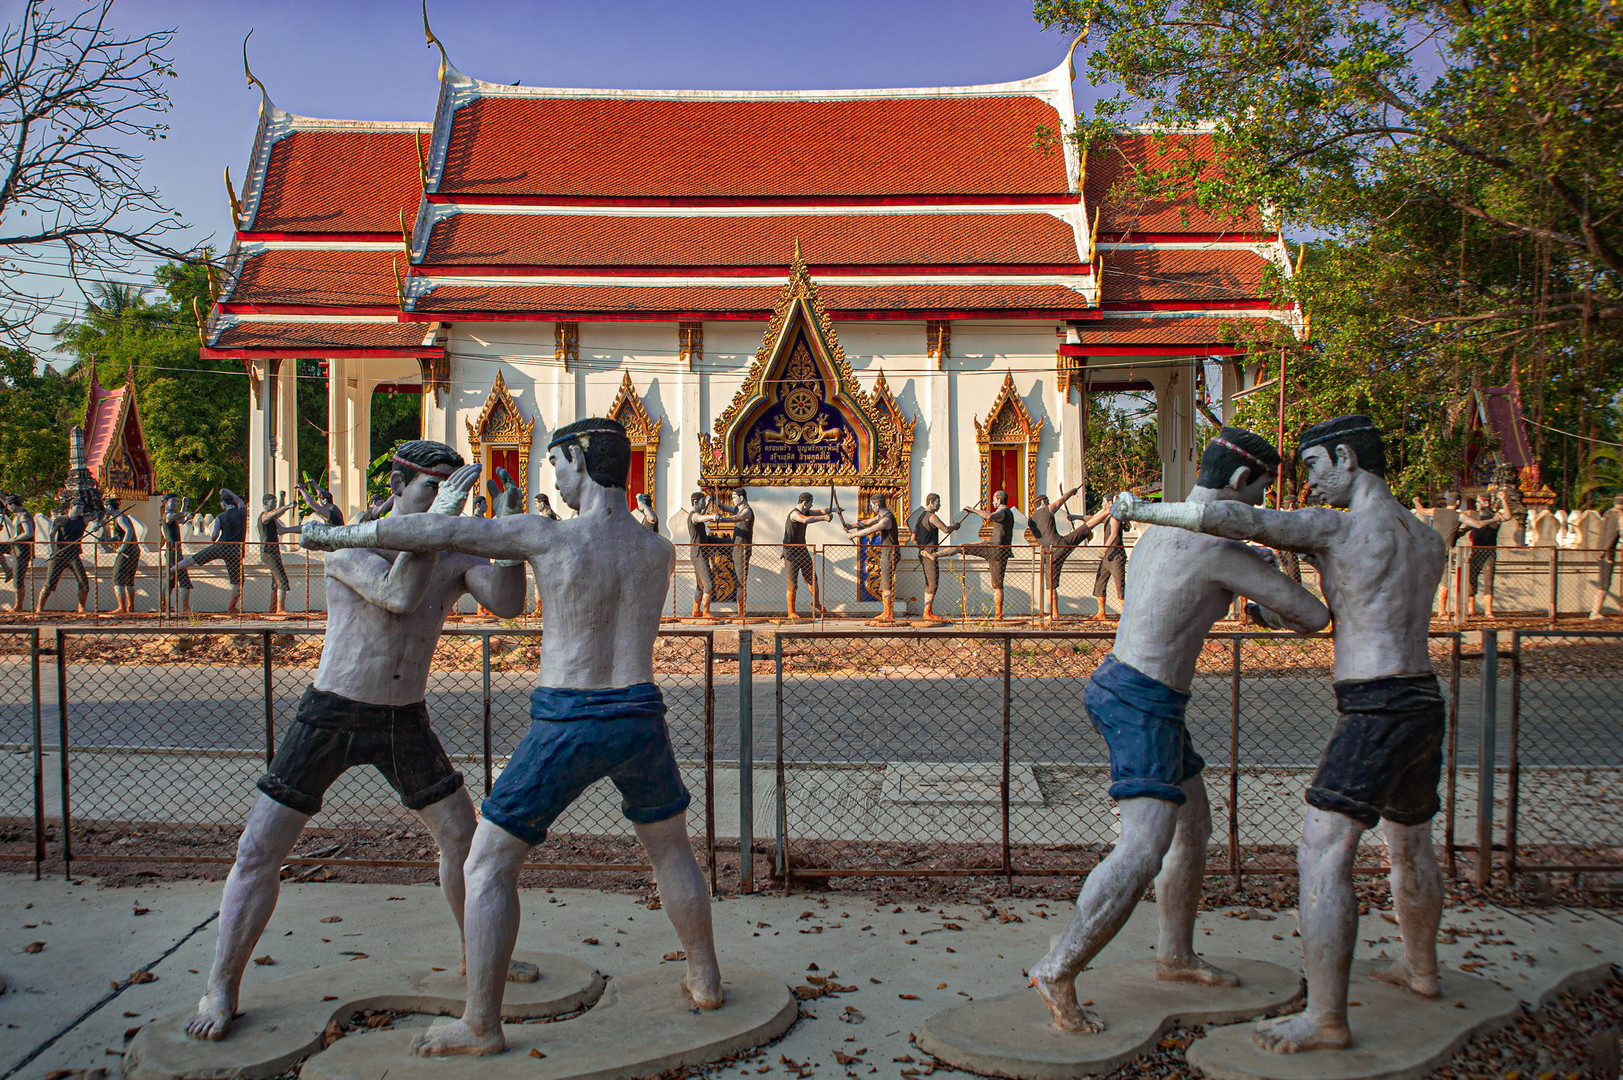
{"x": 319, "y": 500}
{"x": 122, "y": 534}
{"x": 797, "y": 557}
{"x": 172, "y": 515}
{"x": 742, "y": 519}
{"x": 22, "y": 550}
{"x": 1611, "y": 527}
{"x": 225, "y": 542}
{"x": 1482, "y": 529}
{"x": 700, "y": 552}
{"x": 1182, "y": 584}
{"x": 385, "y": 611}
{"x": 885, "y": 548}
{"x": 596, "y": 710}
{"x": 67, "y": 551}
{"x": 1056, "y": 548}
{"x": 1378, "y": 566}
{"x": 271, "y": 528}
{"x": 996, "y": 551}
{"x": 1112, "y": 568}
{"x": 927, "y": 529}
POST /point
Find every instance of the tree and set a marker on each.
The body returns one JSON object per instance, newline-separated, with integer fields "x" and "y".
{"x": 36, "y": 409}
{"x": 1123, "y": 450}
{"x": 1457, "y": 161}
{"x": 194, "y": 412}
{"x": 75, "y": 95}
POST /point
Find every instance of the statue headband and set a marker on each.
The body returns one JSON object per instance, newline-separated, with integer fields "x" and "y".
{"x": 439, "y": 472}
{"x": 1220, "y": 441}
{"x": 1332, "y": 436}
{"x": 577, "y": 433}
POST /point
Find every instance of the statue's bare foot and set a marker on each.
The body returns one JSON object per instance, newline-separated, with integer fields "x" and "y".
{"x": 1400, "y": 975}
{"x": 456, "y": 1037}
{"x": 1293, "y": 1034}
{"x": 1192, "y": 969}
{"x": 704, "y": 991}
{"x": 522, "y": 971}
{"x": 1060, "y": 997}
{"x": 213, "y": 1020}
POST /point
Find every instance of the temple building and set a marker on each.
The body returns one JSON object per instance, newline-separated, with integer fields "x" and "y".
{"x": 897, "y": 290}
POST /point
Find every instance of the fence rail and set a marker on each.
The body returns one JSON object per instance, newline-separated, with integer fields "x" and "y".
{"x": 897, "y": 753}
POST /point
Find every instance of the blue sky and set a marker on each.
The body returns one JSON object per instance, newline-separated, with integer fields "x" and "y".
{"x": 367, "y": 59}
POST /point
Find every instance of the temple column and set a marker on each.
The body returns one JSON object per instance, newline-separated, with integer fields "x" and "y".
{"x": 1175, "y": 428}
{"x": 1072, "y": 434}
{"x": 349, "y": 421}
{"x": 941, "y": 471}
{"x": 1231, "y": 386}
{"x": 259, "y": 432}
{"x": 360, "y": 444}
{"x": 284, "y": 429}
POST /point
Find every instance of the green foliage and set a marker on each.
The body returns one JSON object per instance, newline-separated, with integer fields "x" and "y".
{"x": 1122, "y": 452}
{"x": 36, "y": 411}
{"x": 1458, "y": 165}
{"x": 194, "y": 412}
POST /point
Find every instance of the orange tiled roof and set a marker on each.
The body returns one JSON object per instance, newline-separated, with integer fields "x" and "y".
{"x": 1201, "y": 330}
{"x": 324, "y": 335}
{"x": 723, "y": 299}
{"x": 1111, "y": 168}
{"x": 1190, "y": 274}
{"x": 340, "y": 182}
{"x": 318, "y": 277}
{"x": 588, "y": 240}
{"x": 686, "y": 148}
{"x": 101, "y": 423}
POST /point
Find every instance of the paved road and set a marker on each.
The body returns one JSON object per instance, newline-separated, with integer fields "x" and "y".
{"x": 1284, "y": 721}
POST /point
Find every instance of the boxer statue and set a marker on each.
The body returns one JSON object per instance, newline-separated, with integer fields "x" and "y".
{"x": 797, "y": 557}
{"x": 1379, "y": 566}
{"x": 886, "y": 546}
{"x": 385, "y": 611}
{"x": 645, "y": 513}
{"x": 1182, "y": 584}
{"x": 927, "y": 530}
{"x": 22, "y": 550}
{"x": 597, "y": 710}
{"x": 996, "y": 553}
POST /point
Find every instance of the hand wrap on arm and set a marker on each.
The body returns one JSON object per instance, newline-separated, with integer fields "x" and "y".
{"x": 335, "y": 537}
{"x": 1182, "y": 515}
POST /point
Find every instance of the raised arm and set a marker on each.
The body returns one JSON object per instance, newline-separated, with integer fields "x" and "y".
{"x": 1247, "y": 574}
{"x": 1311, "y": 531}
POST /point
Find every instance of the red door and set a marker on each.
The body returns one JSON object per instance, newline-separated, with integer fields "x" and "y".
{"x": 504, "y": 459}
{"x": 634, "y": 479}
{"x": 1003, "y": 473}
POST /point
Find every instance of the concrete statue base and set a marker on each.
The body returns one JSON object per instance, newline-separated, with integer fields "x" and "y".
{"x": 1396, "y": 1035}
{"x": 285, "y": 1019}
{"x": 645, "y": 1024}
{"x": 1012, "y": 1034}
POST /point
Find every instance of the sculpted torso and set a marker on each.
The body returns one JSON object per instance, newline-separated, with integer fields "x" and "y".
{"x": 376, "y": 655}
{"x": 1379, "y": 575}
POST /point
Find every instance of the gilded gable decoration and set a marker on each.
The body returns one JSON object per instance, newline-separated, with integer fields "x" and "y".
{"x": 1009, "y": 426}
{"x": 800, "y": 419}
{"x": 502, "y": 428}
{"x": 690, "y": 343}
{"x": 641, "y": 429}
{"x": 938, "y": 342}
{"x": 566, "y": 343}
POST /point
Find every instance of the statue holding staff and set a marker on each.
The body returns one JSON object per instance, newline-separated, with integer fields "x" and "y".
{"x": 797, "y": 557}
{"x": 927, "y": 530}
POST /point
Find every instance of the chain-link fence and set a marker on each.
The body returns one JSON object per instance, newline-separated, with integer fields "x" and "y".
{"x": 1564, "y": 805}
{"x": 971, "y": 753}
{"x": 1543, "y": 582}
{"x": 22, "y": 813}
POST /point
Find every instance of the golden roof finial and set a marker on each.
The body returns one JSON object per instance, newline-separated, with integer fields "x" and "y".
{"x": 253, "y": 80}
{"x": 231, "y": 193}
{"x": 445, "y": 61}
{"x": 1070, "y": 54}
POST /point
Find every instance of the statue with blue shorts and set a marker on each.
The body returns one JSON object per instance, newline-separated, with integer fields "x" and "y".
{"x": 1180, "y": 583}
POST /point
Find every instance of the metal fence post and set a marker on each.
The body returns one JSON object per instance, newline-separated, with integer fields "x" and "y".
{"x": 1555, "y": 585}
{"x": 62, "y": 748}
{"x": 270, "y": 699}
{"x": 710, "y": 753}
{"x": 782, "y": 800}
{"x": 1513, "y": 776}
{"x": 746, "y": 763}
{"x": 39, "y": 763}
{"x": 485, "y": 665}
{"x": 1453, "y": 753}
{"x": 1234, "y": 763}
{"x": 1487, "y": 731}
{"x": 1003, "y": 784}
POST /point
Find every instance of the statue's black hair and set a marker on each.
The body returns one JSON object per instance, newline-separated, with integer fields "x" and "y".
{"x": 1356, "y": 431}
{"x": 607, "y": 448}
{"x": 1233, "y": 448}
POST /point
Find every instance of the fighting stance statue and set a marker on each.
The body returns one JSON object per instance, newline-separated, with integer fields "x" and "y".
{"x": 1482, "y": 529}
{"x": 797, "y": 557}
{"x": 1182, "y": 584}
{"x": 123, "y": 535}
{"x": 385, "y": 611}
{"x": 178, "y": 584}
{"x": 596, "y": 708}
{"x": 1611, "y": 527}
{"x": 1112, "y": 568}
{"x": 1445, "y": 519}
{"x": 643, "y": 513}
{"x": 543, "y": 506}
{"x": 22, "y": 550}
{"x": 885, "y": 548}
{"x": 699, "y": 551}
{"x": 927, "y": 528}
{"x": 1056, "y": 548}
{"x": 742, "y": 519}
{"x": 1378, "y": 566}
{"x": 225, "y": 542}
{"x": 67, "y": 550}
{"x": 319, "y": 500}
{"x": 271, "y": 528}
{"x": 996, "y": 552}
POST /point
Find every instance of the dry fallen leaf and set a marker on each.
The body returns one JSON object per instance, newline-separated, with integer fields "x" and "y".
{"x": 675, "y": 955}
{"x": 143, "y": 977}
{"x": 34, "y": 947}
{"x": 942, "y": 986}
{"x": 264, "y": 961}
{"x": 588, "y": 941}
{"x": 536, "y": 1053}
{"x": 333, "y": 918}
{"x": 908, "y": 997}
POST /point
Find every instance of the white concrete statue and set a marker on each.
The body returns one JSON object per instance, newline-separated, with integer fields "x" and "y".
{"x": 23, "y": 532}
{"x": 385, "y": 611}
{"x": 1545, "y": 528}
{"x": 1610, "y": 528}
{"x": 1378, "y": 566}
{"x": 597, "y": 711}
{"x": 1181, "y": 583}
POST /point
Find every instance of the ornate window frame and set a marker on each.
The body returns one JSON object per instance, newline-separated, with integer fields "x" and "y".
{"x": 1009, "y": 423}
{"x": 501, "y": 426}
{"x": 641, "y": 429}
